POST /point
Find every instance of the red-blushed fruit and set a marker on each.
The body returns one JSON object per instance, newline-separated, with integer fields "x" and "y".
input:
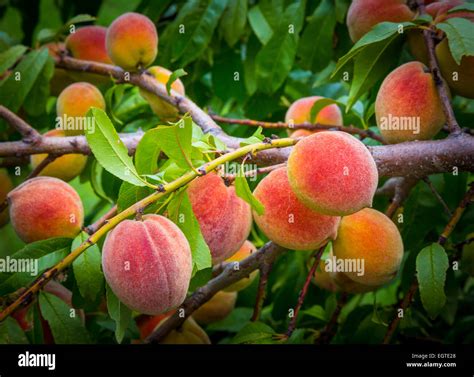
{"x": 460, "y": 77}
{"x": 300, "y": 112}
{"x": 301, "y": 133}
{"x": 363, "y": 15}
{"x": 45, "y": 207}
{"x": 148, "y": 264}
{"x": 88, "y": 43}
{"x": 333, "y": 173}
{"x": 161, "y": 108}
{"x": 66, "y": 167}
{"x": 6, "y": 185}
{"x": 246, "y": 249}
{"x": 370, "y": 237}
{"x": 224, "y": 218}
{"x": 188, "y": 333}
{"x": 132, "y": 41}
{"x": 408, "y": 106}
{"x": 286, "y": 220}
{"x": 73, "y": 104}
{"x": 216, "y": 309}
{"x": 345, "y": 284}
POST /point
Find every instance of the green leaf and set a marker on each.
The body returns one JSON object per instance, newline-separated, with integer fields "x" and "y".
{"x": 431, "y": 266}
{"x": 233, "y": 21}
{"x": 87, "y": 269}
{"x": 316, "y": 45}
{"x": 22, "y": 79}
{"x": 256, "y": 137}
{"x": 275, "y": 59}
{"x": 120, "y": 313}
{"x": 64, "y": 321}
{"x": 243, "y": 191}
{"x": 234, "y": 322}
{"x": 9, "y": 57}
{"x": 371, "y": 65}
{"x": 254, "y": 333}
{"x": 11, "y": 332}
{"x": 319, "y": 105}
{"x": 316, "y": 311}
{"x": 460, "y": 34}
{"x": 35, "y": 102}
{"x": 130, "y": 194}
{"x": 181, "y": 213}
{"x": 110, "y": 151}
{"x": 468, "y": 7}
{"x": 259, "y": 25}
{"x": 148, "y": 151}
{"x": 173, "y": 77}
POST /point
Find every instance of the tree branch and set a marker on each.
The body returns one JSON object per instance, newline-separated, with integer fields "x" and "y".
{"x": 331, "y": 328}
{"x": 28, "y": 133}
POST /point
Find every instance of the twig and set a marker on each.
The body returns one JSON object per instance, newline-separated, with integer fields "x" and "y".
{"x": 28, "y": 133}
{"x": 229, "y": 178}
{"x": 405, "y": 302}
{"x": 401, "y": 189}
{"x": 304, "y": 126}
{"x": 206, "y": 292}
{"x": 304, "y": 290}
{"x": 438, "y": 196}
{"x": 91, "y": 229}
{"x": 330, "y": 329}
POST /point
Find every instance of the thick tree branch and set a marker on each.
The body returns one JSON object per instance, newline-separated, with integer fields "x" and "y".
{"x": 205, "y": 293}
{"x": 28, "y": 133}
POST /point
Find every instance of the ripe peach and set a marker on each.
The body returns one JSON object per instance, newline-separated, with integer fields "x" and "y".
{"x": 45, "y": 207}
{"x": 224, "y": 218}
{"x": 216, "y": 309}
{"x": 88, "y": 43}
{"x": 61, "y": 78}
{"x": 345, "y": 284}
{"x": 408, "y": 106}
{"x": 300, "y": 112}
{"x": 363, "y": 15}
{"x": 333, "y": 173}
{"x": 148, "y": 264}
{"x": 301, "y": 133}
{"x": 161, "y": 108}
{"x": 132, "y": 41}
{"x": 371, "y": 236}
{"x": 73, "y": 104}
{"x": 286, "y": 221}
{"x": 6, "y": 186}
{"x": 459, "y": 77}
{"x": 246, "y": 249}
{"x": 66, "y": 167}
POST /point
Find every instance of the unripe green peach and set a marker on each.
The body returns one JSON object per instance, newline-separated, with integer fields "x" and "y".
{"x": 363, "y": 15}
{"x": 286, "y": 220}
{"x": 88, "y": 43}
{"x": 460, "y": 78}
{"x": 216, "y": 309}
{"x": 373, "y": 238}
{"x": 45, "y": 207}
{"x": 6, "y": 186}
{"x": 148, "y": 264}
{"x": 161, "y": 108}
{"x": 300, "y": 112}
{"x": 408, "y": 106}
{"x": 247, "y": 249}
{"x": 73, "y": 104}
{"x": 132, "y": 41}
{"x": 224, "y": 218}
{"x": 333, "y": 173}
{"x": 66, "y": 167}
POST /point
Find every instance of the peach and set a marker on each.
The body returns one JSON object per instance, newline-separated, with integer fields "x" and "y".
{"x": 73, "y": 104}
{"x": 132, "y": 41}
{"x": 459, "y": 77}
{"x": 345, "y": 284}
{"x": 373, "y": 238}
{"x": 286, "y": 220}
{"x": 161, "y": 108}
{"x": 66, "y": 167}
{"x": 333, "y": 173}
{"x": 88, "y": 43}
{"x": 61, "y": 77}
{"x": 300, "y": 112}
{"x": 224, "y": 218}
{"x": 246, "y": 249}
{"x": 148, "y": 264}
{"x": 6, "y": 185}
{"x": 45, "y": 207}
{"x": 363, "y": 15}
{"x": 216, "y": 309}
{"x": 408, "y": 106}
